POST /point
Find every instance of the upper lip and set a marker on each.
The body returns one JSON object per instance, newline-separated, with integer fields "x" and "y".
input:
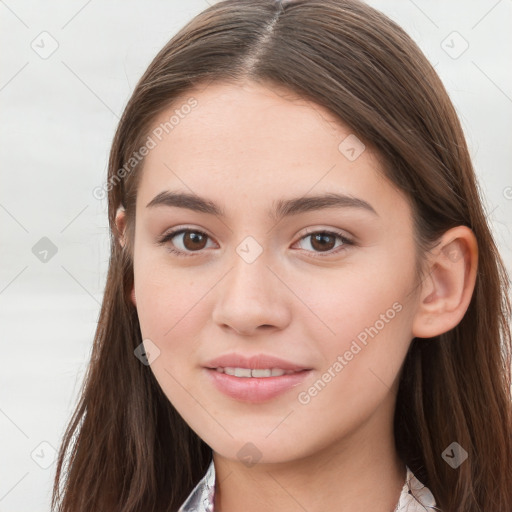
{"x": 262, "y": 361}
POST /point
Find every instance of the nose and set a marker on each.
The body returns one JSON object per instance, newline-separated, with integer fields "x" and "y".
{"x": 252, "y": 297}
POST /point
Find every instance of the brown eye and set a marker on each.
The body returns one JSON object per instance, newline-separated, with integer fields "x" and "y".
{"x": 194, "y": 240}
{"x": 325, "y": 242}
{"x": 187, "y": 241}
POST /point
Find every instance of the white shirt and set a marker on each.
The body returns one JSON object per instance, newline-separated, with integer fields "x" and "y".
{"x": 415, "y": 497}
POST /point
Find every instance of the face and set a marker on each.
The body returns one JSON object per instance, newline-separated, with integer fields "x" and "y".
{"x": 327, "y": 285}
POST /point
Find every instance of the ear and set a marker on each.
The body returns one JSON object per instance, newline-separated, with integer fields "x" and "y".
{"x": 121, "y": 224}
{"x": 447, "y": 289}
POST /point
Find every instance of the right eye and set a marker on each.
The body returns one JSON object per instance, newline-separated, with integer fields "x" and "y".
{"x": 193, "y": 241}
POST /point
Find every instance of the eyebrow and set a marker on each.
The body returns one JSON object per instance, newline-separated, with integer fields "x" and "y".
{"x": 281, "y": 208}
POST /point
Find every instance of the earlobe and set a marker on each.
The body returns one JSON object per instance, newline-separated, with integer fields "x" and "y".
{"x": 132, "y": 296}
{"x": 447, "y": 289}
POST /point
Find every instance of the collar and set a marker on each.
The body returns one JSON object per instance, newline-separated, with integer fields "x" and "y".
{"x": 415, "y": 497}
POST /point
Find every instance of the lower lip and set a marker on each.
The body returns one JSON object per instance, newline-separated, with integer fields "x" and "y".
{"x": 255, "y": 389}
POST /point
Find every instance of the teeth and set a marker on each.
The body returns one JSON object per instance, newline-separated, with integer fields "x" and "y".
{"x": 241, "y": 372}
{"x": 266, "y": 373}
{"x": 247, "y": 372}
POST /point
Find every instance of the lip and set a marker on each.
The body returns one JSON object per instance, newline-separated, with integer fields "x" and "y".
{"x": 254, "y": 389}
{"x": 262, "y": 361}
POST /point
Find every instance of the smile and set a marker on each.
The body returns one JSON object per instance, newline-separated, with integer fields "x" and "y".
{"x": 257, "y": 372}
{"x": 251, "y": 386}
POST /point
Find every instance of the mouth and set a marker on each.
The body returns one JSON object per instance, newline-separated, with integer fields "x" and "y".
{"x": 255, "y": 385}
{"x": 255, "y": 372}
{"x": 256, "y": 378}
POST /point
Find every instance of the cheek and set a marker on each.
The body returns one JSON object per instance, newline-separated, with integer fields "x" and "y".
{"x": 347, "y": 301}
{"x": 361, "y": 358}
{"x": 172, "y": 307}
{"x": 170, "y": 316}
{"x": 167, "y": 296}
{"x": 364, "y": 317}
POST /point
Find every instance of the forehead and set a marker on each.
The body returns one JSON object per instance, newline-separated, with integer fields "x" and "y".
{"x": 253, "y": 117}
{"x": 256, "y": 143}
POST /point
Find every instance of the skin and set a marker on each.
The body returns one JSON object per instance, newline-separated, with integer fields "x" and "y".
{"x": 245, "y": 146}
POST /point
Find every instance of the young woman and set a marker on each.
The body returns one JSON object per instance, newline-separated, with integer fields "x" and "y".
{"x": 305, "y": 308}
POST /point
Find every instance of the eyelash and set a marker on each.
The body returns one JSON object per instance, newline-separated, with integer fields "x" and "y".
{"x": 169, "y": 236}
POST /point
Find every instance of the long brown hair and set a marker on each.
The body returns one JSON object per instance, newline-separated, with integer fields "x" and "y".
{"x": 129, "y": 449}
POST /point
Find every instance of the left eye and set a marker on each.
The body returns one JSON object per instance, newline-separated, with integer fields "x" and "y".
{"x": 324, "y": 241}
{"x": 194, "y": 241}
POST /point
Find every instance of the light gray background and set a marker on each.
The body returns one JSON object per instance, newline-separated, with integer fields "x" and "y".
{"x": 58, "y": 118}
